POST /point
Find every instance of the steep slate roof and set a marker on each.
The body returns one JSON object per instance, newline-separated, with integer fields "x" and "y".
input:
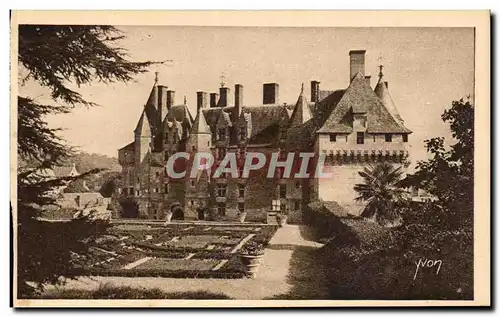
{"x": 324, "y": 108}
{"x": 382, "y": 92}
{"x": 200, "y": 125}
{"x": 128, "y": 147}
{"x": 179, "y": 113}
{"x": 325, "y": 93}
{"x": 360, "y": 97}
{"x": 300, "y": 137}
{"x": 302, "y": 111}
{"x": 263, "y": 117}
{"x": 212, "y": 114}
{"x": 143, "y": 127}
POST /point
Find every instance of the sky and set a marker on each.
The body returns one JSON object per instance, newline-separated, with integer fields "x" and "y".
{"x": 427, "y": 68}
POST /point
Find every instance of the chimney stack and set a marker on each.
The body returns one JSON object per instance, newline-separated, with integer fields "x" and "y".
{"x": 357, "y": 63}
{"x": 368, "y": 80}
{"x": 162, "y": 101}
{"x": 213, "y": 99}
{"x": 201, "y": 100}
{"x": 271, "y": 93}
{"x": 315, "y": 91}
{"x": 238, "y": 99}
{"x": 170, "y": 98}
{"x": 224, "y": 97}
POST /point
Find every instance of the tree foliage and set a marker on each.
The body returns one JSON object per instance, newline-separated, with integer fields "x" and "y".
{"x": 449, "y": 172}
{"x": 440, "y": 229}
{"x": 380, "y": 189}
{"x": 57, "y": 57}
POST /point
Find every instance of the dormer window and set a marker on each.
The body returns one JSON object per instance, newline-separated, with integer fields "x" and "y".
{"x": 405, "y": 137}
{"x": 360, "y": 138}
{"x": 222, "y": 134}
{"x": 388, "y": 137}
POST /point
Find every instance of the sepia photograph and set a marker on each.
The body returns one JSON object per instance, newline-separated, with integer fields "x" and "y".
{"x": 183, "y": 159}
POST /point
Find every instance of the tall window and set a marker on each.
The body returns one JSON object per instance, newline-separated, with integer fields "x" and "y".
{"x": 241, "y": 207}
{"x": 243, "y": 132}
{"x": 222, "y": 134}
{"x": 221, "y": 190}
{"x": 360, "y": 138}
{"x": 167, "y": 188}
{"x": 192, "y": 183}
{"x": 276, "y": 205}
{"x": 297, "y": 205}
{"x": 388, "y": 137}
{"x": 241, "y": 190}
{"x": 333, "y": 137}
{"x": 221, "y": 208}
{"x": 405, "y": 137}
{"x": 282, "y": 191}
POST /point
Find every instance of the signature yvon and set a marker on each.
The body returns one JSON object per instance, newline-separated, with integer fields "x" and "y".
{"x": 427, "y": 263}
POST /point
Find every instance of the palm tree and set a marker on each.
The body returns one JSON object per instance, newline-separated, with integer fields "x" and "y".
{"x": 382, "y": 192}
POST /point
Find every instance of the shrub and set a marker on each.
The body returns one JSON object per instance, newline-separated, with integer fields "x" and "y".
{"x": 325, "y": 217}
{"x": 380, "y": 262}
{"x": 108, "y": 291}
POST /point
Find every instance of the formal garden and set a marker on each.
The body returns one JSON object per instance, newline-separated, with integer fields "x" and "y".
{"x": 141, "y": 248}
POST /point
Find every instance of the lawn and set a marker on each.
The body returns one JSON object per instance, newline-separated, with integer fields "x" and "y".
{"x": 173, "y": 250}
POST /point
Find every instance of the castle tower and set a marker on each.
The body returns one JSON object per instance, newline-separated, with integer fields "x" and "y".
{"x": 198, "y": 189}
{"x": 142, "y": 139}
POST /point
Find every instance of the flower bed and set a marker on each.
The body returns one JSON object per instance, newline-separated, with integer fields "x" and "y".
{"x": 176, "y": 250}
{"x": 178, "y": 264}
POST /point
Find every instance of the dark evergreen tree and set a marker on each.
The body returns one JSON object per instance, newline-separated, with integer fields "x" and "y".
{"x": 54, "y": 56}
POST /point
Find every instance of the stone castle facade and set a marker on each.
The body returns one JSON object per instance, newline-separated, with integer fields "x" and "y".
{"x": 353, "y": 127}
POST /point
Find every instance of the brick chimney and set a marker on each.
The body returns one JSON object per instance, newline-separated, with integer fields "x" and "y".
{"x": 271, "y": 92}
{"x": 315, "y": 91}
{"x": 238, "y": 99}
{"x": 357, "y": 62}
{"x": 201, "y": 100}
{"x": 214, "y": 97}
{"x": 224, "y": 97}
{"x": 170, "y": 99}
{"x": 162, "y": 101}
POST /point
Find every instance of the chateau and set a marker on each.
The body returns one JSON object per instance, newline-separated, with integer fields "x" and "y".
{"x": 353, "y": 127}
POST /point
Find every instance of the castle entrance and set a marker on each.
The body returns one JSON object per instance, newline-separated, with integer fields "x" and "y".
{"x": 177, "y": 212}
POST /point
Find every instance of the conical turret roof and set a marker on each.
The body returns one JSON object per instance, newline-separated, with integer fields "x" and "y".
{"x": 143, "y": 127}
{"x": 382, "y": 91}
{"x": 200, "y": 125}
{"x": 302, "y": 112}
